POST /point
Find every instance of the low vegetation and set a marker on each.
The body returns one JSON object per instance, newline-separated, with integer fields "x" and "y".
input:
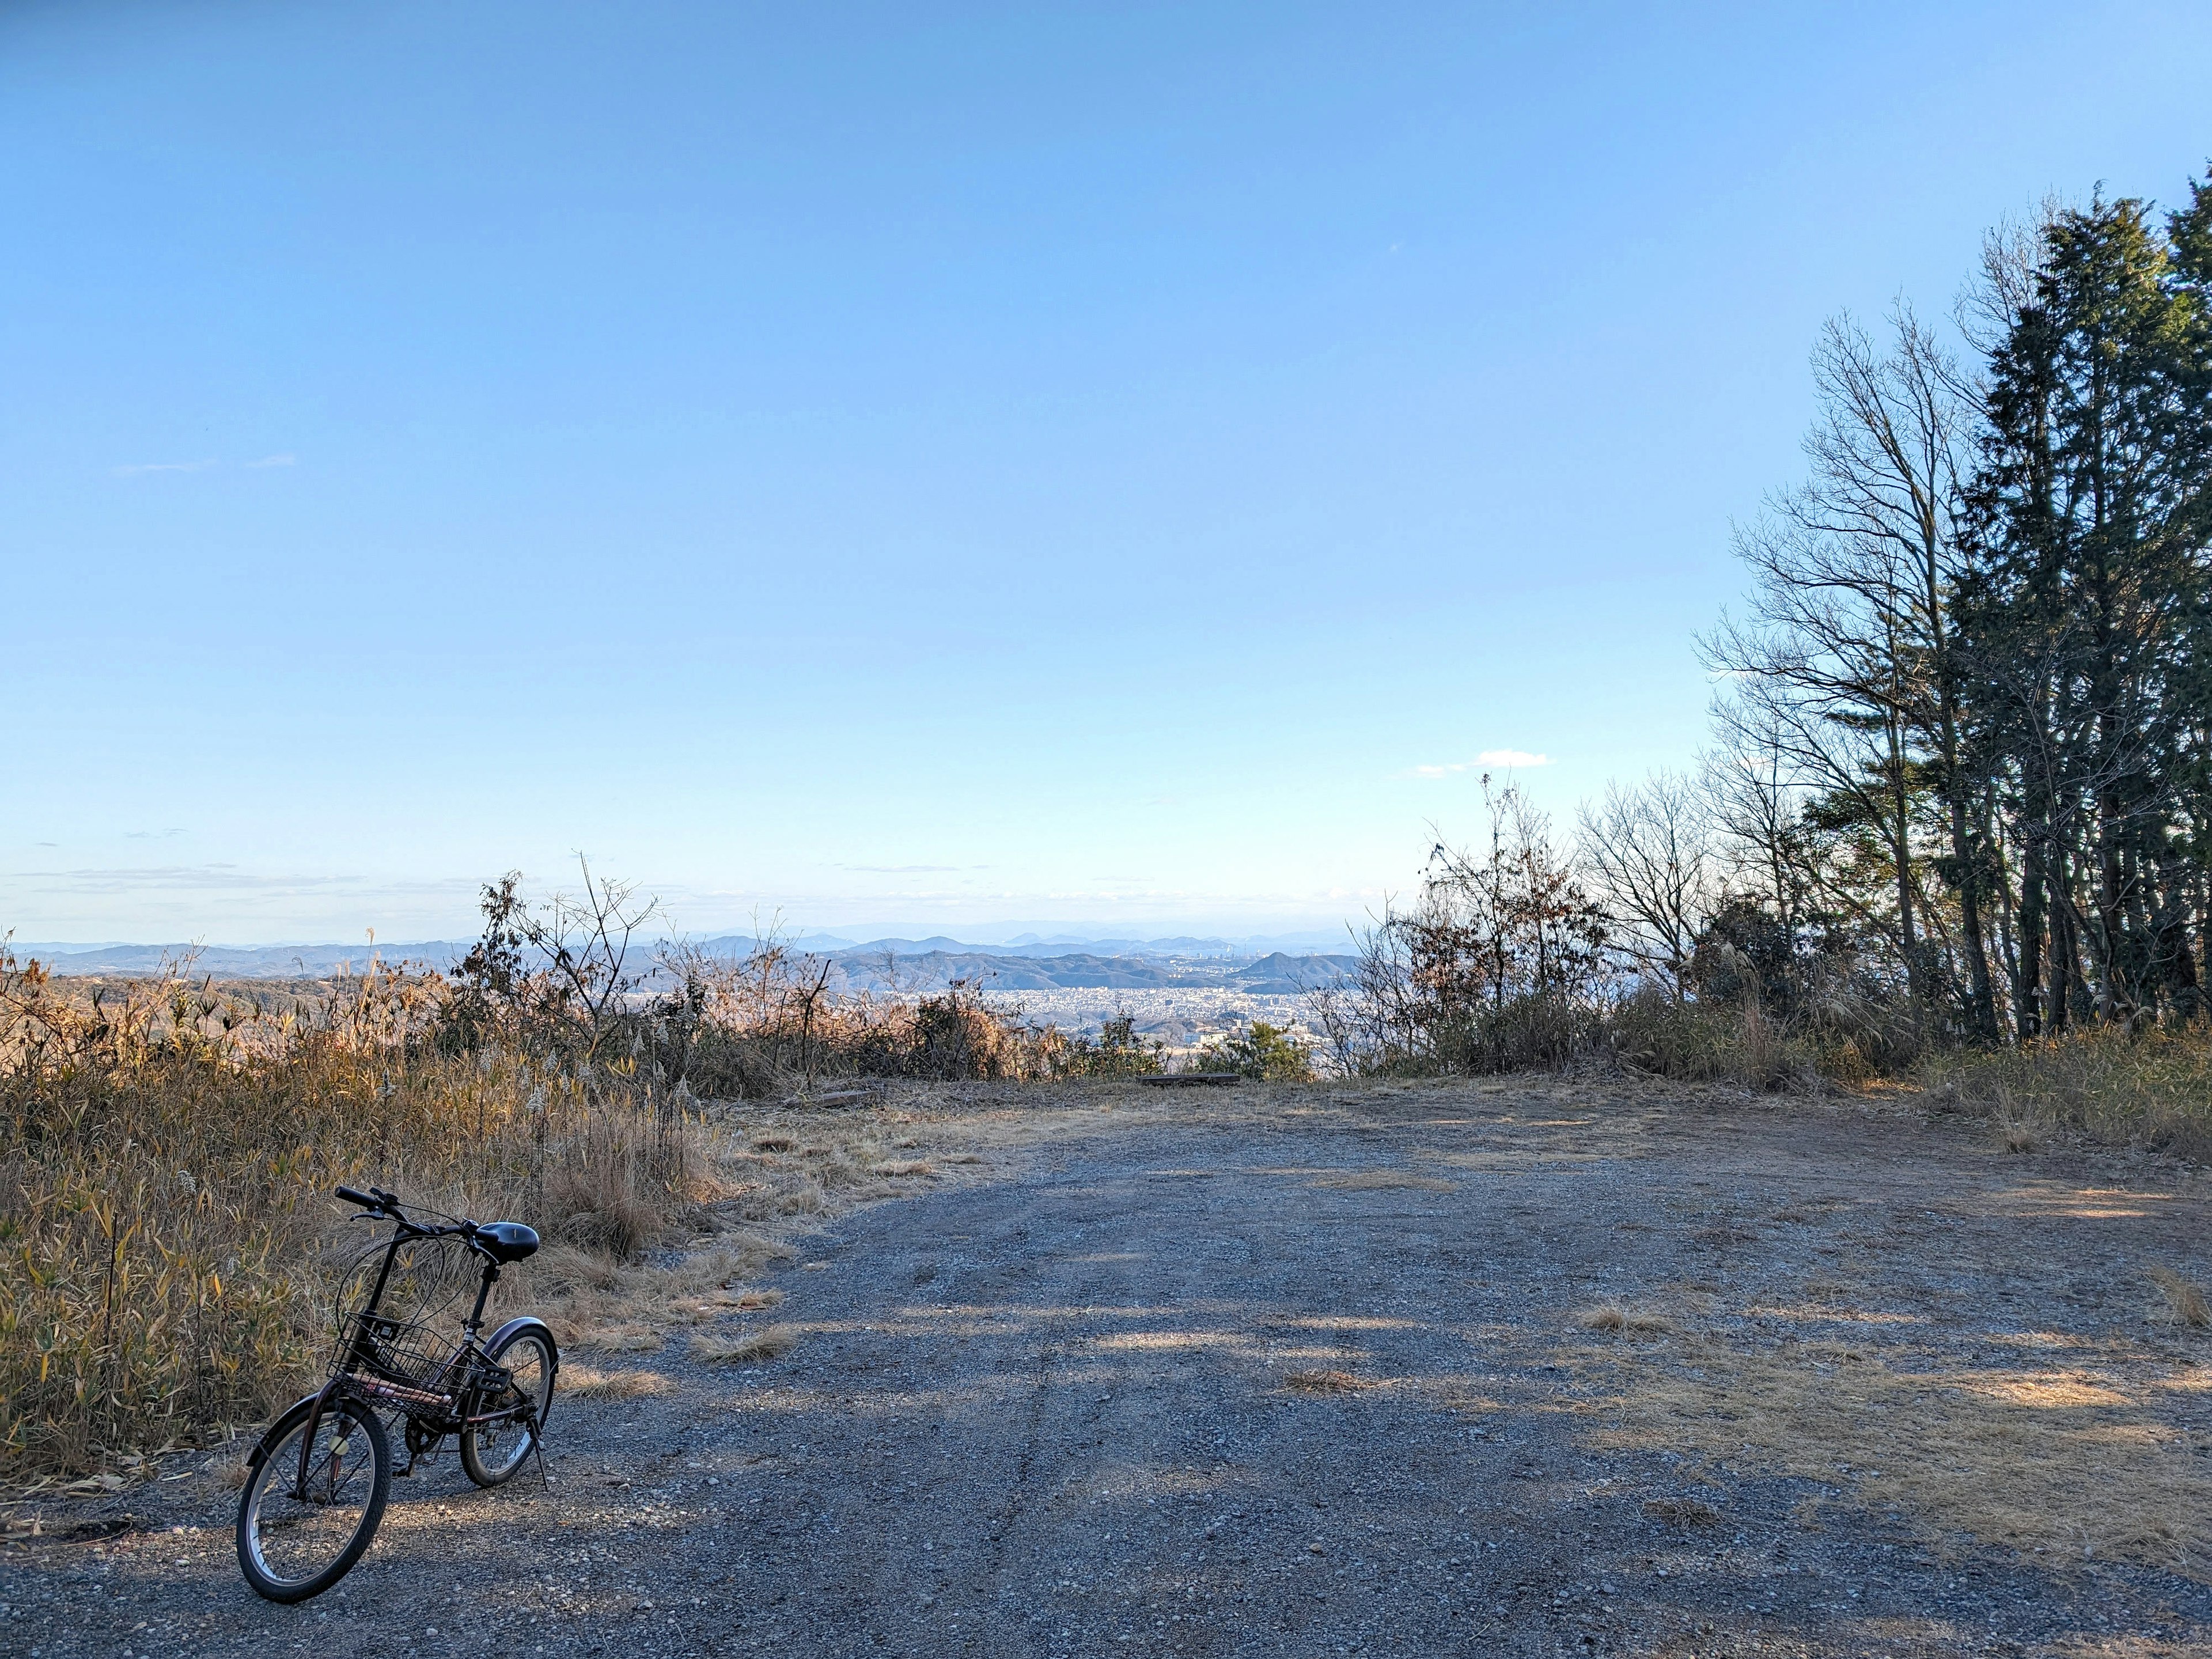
{"x": 167, "y": 1148}
{"x": 166, "y": 1155}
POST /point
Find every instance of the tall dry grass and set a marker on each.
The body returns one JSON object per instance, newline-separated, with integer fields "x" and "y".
{"x": 2150, "y": 1088}
{"x": 166, "y": 1152}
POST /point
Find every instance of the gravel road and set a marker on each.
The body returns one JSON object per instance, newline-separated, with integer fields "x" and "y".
{"x": 1278, "y": 1374}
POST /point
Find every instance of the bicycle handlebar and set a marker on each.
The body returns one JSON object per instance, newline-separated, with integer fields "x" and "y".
{"x": 378, "y": 1202}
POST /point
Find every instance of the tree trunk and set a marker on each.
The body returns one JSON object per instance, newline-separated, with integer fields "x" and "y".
{"x": 2028, "y": 997}
{"x": 1901, "y": 850}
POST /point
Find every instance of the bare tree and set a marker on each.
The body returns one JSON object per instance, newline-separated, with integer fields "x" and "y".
{"x": 1648, "y": 851}
{"x": 1848, "y": 661}
{"x": 1756, "y": 801}
{"x": 584, "y": 938}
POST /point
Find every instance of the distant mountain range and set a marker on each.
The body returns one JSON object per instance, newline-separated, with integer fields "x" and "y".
{"x": 1026, "y": 963}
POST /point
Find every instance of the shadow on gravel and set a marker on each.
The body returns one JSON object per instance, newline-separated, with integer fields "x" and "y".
{"x": 1432, "y": 1379}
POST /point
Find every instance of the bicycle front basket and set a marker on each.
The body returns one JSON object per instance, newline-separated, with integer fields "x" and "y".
{"x": 407, "y": 1363}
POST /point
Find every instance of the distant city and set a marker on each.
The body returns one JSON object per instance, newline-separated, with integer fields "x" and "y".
{"x": 1027, "y": 960}
{"x": 1182, "y": 990}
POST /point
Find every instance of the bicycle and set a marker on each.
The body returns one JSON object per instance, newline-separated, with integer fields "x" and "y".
{"x": 317, "y": 1483}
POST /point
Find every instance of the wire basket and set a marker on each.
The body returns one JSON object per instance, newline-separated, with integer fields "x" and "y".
{"x": 400, "y": 1360}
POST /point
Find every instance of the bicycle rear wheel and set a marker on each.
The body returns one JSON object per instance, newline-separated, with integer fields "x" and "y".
{"x": 492, "y": 1452}
{"x": 295, "y": 1541}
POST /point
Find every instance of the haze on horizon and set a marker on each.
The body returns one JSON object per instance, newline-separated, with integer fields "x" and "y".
{"x": 1134, "y": 467}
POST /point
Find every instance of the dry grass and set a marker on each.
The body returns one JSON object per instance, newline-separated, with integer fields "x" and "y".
{"x": 1682, "y": 1512}
{"x": 2086, "y": 1462}
{"x": 595, "y": 1384}
{"x": 167, "y": 1153}
{"x": 1362, "y": 1181}
{"x": 2152, "y": 1088}
{"x": 2184, "y": 1303}
{"x": 748, "y": 1349}
{"x": 1327, "y": 1381}
{"x": 1614, "y": 1320}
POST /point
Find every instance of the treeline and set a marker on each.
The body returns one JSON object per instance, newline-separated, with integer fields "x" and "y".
{"x": 1961, "y": 778}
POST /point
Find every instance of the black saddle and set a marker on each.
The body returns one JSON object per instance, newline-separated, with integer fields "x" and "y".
{"x": 507, "y": 1241}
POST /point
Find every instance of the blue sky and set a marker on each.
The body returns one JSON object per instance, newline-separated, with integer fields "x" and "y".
{"x": 926, "y": 466}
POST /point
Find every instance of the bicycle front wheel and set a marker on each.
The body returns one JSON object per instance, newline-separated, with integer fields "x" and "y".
{"x": 492, "y": 1452}
{"x": 296, "y": 1539}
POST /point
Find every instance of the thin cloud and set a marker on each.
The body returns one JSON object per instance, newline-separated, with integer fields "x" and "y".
{"x": 136, "y": 467}
{"x": 904, "y": 869}
{"x": 276, "y": 460}
{"x": 224, "y": 878}
{"x": 1514, "y": 760}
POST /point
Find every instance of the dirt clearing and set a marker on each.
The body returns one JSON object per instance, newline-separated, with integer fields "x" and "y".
{"x": 1509, "y": 1369}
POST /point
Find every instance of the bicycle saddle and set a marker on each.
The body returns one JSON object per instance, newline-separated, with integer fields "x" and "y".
{"x": 508, "y": 1241}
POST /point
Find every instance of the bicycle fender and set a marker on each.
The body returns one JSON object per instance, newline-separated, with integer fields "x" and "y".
{"x": 515, "y": 1327}
{"x": 528, "y": 1322}
{"x": 259, "y": 1455}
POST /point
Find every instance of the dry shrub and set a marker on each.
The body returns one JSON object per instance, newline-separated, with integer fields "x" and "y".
{"x": 561, "y": 1267}
{"x": 610, "y": 1191}
{"x": 1718, "y": 1041}
{"x": 772, "y": 1023}
{"x": 748, "y": 1349}
{"x": 1325, "y": 1382}
{"x": 2184, "y": 1303}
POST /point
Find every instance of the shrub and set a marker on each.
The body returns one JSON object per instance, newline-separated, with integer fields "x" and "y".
{"x": 1265, "y": 1052}
{"x": 1118, "y": 1051}
{"x": 1706, "y": 1042}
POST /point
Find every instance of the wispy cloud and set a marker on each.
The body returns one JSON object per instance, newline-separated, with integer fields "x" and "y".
{"x": 900, "y": 869}
{"x": 276, "y": 460}
{"x": 136, "y": 467}
{"x": 224, "y": 878}
{"x": 150, "y": 834}
{"x": 1489, "y": 760}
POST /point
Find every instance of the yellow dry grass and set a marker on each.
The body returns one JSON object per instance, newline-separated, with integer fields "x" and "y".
{"x": 1324, "y": 1381}
{"x": 748, "y": 1349}
{"x": 2184, "y": 1303}
{"x": 1362, "y": 1181}
{"x": 595, "y": 1384}
{"x": 2082, "y": 1461}
{"x": 1614, "y": 1320}
{"x": 2151, "y": 1087}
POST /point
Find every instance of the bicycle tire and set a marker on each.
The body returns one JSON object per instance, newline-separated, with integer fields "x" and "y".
{"x": 292, "y": 1547}
{"x": 490, "y": 1455}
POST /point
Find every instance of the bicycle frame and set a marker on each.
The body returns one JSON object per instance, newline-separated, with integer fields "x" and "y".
{"x": 473, "y": 1376}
